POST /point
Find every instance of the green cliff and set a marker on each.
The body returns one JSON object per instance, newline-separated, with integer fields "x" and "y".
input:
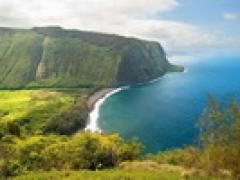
{"x": 54, "y": 57}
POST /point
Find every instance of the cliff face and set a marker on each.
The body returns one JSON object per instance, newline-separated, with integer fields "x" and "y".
{"x": 141, "y": 62}
{"x": 53, "y": 57}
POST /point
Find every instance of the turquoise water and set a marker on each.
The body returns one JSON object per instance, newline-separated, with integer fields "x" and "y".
{"x": 163, "y": 115}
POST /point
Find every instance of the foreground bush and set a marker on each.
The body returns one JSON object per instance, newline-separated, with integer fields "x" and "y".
{"x": 82, "y": 151}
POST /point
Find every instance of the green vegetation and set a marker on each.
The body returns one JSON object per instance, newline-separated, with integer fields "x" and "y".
{"x": 107, "y": 174}
{"x": 221, "y": 137}
{"x": 38, "y": 111}
{"x": 81, "y": 151}
{"x": 53, "y": 57}
{"x": 54, "y": 156}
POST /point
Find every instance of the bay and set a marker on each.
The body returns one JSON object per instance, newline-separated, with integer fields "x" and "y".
{"x": 164, "y": 114}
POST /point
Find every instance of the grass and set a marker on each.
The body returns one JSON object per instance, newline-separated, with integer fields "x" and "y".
{"x": 138, "y": 170}
{"x": 33, "y": 109}
{"x": 103, "y": 175}
{"x": 114, "y": 174}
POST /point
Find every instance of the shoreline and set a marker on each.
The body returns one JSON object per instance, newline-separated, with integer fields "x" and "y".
{"x": 96, "y": 100}
{"x": 92, "y": 100}
{"x": 94, "y": 103}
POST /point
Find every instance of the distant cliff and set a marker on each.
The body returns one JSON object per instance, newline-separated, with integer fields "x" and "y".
{"x": 54, "y": 57}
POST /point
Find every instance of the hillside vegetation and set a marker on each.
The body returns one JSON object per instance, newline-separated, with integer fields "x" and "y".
{"x": 54, "y": 57}
{"x": 44, "y": 111}
{"x": 54, "y": 156}
{"x": 62, "y": 157}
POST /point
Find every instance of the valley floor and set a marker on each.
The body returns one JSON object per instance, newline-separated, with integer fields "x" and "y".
{"x": 36, "y": 110}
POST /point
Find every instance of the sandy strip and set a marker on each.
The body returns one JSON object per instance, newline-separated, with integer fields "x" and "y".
{"x": 97, "y": 96}
{"x": 94, "y": 103}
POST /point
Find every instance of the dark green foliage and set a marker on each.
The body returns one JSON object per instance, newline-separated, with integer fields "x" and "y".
{"x": 53, "y": 57}
{"x": 13, "y": 128}
{"x": 69, "y": 121}
{"x": 141, "y": 62}
{"x": 9, "y": 128}
{"x": 12, "y": 168}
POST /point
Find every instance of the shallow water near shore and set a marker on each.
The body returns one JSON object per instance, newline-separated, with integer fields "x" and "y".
{"x": 163, "y": 114}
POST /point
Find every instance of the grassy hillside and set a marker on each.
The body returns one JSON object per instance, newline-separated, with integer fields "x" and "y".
{"x": 53, "y": 57}
{"x": 20, "y": 53}
{"x": 70, "y": 62}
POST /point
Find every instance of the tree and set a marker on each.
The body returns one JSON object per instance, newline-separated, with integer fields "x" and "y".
{"x": 220, "y": 136}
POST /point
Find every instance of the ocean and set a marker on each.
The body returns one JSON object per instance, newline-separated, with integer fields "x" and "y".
{"x": 164, "y": 114}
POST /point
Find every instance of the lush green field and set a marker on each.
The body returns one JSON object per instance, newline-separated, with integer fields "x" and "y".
{"x": 108, "y": 175}
{"x": 35, "y": 110}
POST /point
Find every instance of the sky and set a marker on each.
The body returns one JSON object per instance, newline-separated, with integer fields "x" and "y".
{"x": 183, "y": 27}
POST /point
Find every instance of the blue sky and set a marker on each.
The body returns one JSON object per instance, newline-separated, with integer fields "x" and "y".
{"x": 207, "y": 13}
{"x": 183, "y": 27}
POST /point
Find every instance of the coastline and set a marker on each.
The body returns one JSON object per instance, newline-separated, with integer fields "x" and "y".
{"x": 96, "y": 100}
{"x": 94, "y": 104}
{"x": 97, "y": 96}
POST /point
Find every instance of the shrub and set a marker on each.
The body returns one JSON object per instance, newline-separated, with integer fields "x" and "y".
{"x": 11, "y": 168}
{"x": 9, "y": 128}
{"x": 69, "y": 121}
{"x": 82, "y": 151}
{"x": 187, "y": 157}
{"x": 220, "y": 137}
{"x": 13, "y": 128}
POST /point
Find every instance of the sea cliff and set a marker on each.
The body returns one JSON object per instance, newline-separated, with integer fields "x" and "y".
{"x": 52, "y": 57}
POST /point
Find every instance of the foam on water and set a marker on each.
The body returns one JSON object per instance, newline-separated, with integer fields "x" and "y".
{"x": 94, "y": 114}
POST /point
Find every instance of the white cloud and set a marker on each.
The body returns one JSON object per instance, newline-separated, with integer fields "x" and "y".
{"x": 231, "y": 16}
{"x": 176, "y": 37}
{"x": 126, "y": 17}
{"x": 38, "y": 11}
